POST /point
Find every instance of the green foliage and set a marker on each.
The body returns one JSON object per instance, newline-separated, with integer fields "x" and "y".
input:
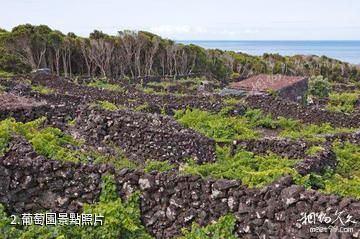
{"x": 235, "y": 76}
{"x": 2, "y": 88}
{"x": 274, "y": 93}
{"x": 233, "y": 101}
{"x": 331, "y": 182}
{"x": 160, "y": 166}
{"x": 54, "y": 144}
{"x": 4, "y": 74}
{"x": 41, "y": 89}
{"x": 150, "y": 91}
{"x": 223, "y": 229}
{"x": 217, "y": 126}
{"x": 18, "y": 48}
{"x": 348, "y": 156}
{"x": 71, "y": 122}
{"x": 342, "y": 102}
{"x": 102, "y": 84}
{"x": 106, "y": 105}
{"x": 121, "y": 220}
{"x": 312, "y": 132}
{"x": 289, "y": 124}
{"x": 345, "y": 180}
{"x": 51, "y": 142}
{"x": 258, "y": 119}
{"x": 314, "y": 150}
{"x": 6, "y": 127}
{"x": 343, "y": 186}
{"x": 145, "y": 108}
{"x": 10, "y": 63}
{"x": 118, "y": 160}
{"x": 252, "y": 170}
{"x": 319, "y": 86}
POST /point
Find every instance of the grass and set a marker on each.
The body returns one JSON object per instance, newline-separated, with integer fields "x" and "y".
{"x": 41, "y": 89}
{"x": 102, "y": 84}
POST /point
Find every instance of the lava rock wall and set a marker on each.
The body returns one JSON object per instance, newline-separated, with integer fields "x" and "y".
{"x": 279, "y": 107}
{"x": 169, "y": 202}
{"x": 146, "y": 136}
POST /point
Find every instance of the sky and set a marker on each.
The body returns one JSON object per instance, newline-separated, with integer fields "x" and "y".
{"x": 194, "y": 19}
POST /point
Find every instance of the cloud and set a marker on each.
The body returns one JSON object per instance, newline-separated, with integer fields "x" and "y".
{"x": 177, "y": 29}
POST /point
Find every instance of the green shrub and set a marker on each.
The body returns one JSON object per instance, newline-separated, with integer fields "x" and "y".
{"x": 342, "y": 102}
{"x": 103, "y": 84}
{"x": 332, "y": 182}
{"x": 252, "y": 170}
{"x": 348, "y": 157}
{"x": 4, "y": 74}
{"x": 217, "y": 126}
{"x": 314, "y": 150}
{"x": 6, "y": 128}
{"x": 312, "y": 132}
{"x": 145, "y": 108}
{"x": 106, "y": 105}
{"x": 118, "y": 160}
{"x": 258, "y": 119}
{"x": 343, "y": 186}
{"x": 319, "y": 86}
{"x": 2, "y": 88}
{"x": 223, "y": 229}
{"x": 160, "y": 166}
{"x": 233, "y": 101}
{"x": 41, "y": 89}
{"x": 288, "y": 124}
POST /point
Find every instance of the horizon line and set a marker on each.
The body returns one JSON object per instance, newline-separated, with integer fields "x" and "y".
{"x": 259, "y": 40}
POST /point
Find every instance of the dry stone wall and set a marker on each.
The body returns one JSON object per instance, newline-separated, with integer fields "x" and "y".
{"x": 169, "y": 201}
{"x": 146, "y": 136}
{"x": 29, "y": 183}
{"x": 292, "y": 149}
{"x": 129, "y": 99}
{"x": 279, "y": 107}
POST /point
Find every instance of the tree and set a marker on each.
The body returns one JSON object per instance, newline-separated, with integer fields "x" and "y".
{"x": 56, "y": 40}
{"x": 319, "y": 86}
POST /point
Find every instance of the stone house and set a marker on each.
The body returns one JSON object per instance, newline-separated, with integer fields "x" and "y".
{"x": 289, "y": 87}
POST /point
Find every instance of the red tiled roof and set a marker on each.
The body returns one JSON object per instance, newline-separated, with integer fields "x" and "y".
{"x": 266, "y": 82}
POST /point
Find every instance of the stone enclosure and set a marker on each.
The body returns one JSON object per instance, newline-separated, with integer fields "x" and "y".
{"x": 169, "y": 201}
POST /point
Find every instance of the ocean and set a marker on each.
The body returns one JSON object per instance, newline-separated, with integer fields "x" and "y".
{"x": 348, "y": 51}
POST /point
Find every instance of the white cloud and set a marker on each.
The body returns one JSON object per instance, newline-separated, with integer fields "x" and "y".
{"x": 177, "y": 29}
